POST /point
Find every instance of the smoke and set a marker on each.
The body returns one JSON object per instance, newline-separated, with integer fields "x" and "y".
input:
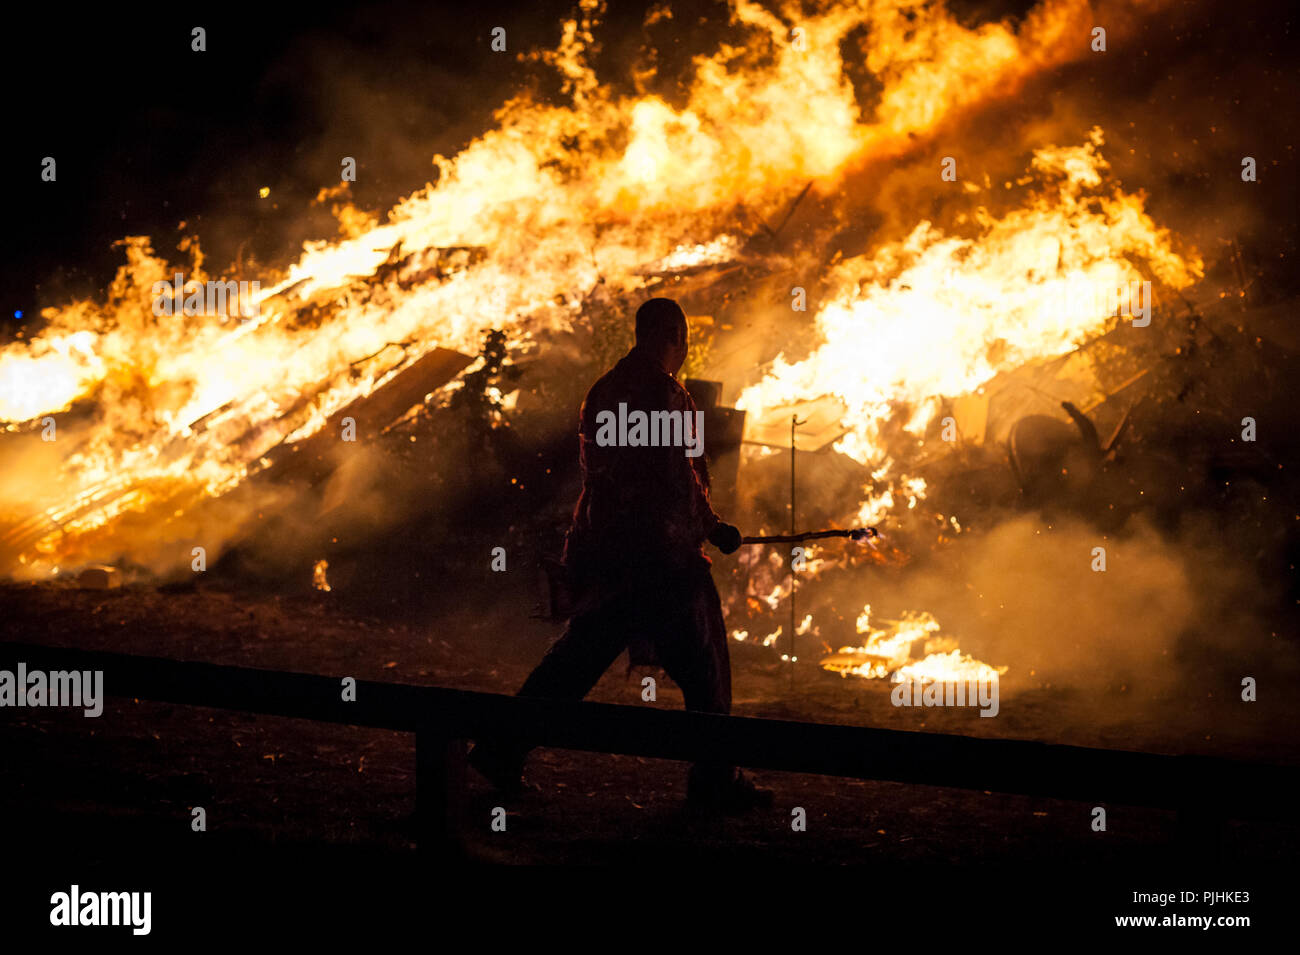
{"x": 1178, "y": 613}
{"x": 1026, "y": 595}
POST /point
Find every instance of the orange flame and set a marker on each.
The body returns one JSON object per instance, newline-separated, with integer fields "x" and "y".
{"x": 526, "y": 220}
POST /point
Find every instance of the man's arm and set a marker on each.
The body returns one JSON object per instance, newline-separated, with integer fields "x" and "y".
{"x": 711, "y": 527}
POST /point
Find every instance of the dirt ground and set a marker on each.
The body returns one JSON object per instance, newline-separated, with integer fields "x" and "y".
{"x": 278, "y": 789}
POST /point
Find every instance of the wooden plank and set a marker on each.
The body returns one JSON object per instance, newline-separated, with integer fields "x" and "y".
{"x": 311, "y": 458}
{"x": 822, "y": 424}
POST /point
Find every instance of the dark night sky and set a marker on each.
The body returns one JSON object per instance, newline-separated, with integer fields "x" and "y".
{"x": 147, "y": 132}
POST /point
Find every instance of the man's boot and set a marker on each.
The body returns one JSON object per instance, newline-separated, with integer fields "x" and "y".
{"x": 505, "y": 771}
{"x": 733, "y": 792}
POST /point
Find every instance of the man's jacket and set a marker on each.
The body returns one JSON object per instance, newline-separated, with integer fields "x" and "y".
{"x": 642, "y": 509}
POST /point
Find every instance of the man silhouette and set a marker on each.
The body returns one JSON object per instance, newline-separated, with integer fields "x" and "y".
{"x": 634, "y": 555}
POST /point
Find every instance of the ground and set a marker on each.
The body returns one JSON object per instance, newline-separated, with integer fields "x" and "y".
{"x": 297, "y": 786}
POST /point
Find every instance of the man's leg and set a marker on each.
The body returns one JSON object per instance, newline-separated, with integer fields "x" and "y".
{"x": 572, "y": 666}
{"x": 693, "y": 649}
{"x": 693, "y": 643}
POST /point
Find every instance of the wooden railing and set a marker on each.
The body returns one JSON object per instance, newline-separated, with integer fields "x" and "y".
{"x": 1203, "y": 789}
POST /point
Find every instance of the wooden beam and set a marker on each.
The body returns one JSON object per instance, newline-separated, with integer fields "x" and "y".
{"x": 1234, "y": 789}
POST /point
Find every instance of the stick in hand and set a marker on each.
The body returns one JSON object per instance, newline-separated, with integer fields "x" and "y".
{"x": 857, "y": 534}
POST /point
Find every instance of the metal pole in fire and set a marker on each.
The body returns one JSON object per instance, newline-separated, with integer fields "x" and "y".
{"x": 794, "y": 423}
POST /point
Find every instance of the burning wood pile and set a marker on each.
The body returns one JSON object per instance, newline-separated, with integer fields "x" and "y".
{"x": 902, "y": 348}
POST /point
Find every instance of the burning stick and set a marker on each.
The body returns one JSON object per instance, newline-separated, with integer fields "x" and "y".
{"x": 857, "y": 534}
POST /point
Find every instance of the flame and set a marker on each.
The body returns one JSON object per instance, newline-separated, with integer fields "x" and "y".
{"x": 938, "y": 315}
{"x": 889, "y": 651}
{"x": 531, "y": 216}
{"x": 320, "y": 575}
{"x": 48, "y": 376}
{"x": 722, "y": 249}
{"x": 951, "y": 667}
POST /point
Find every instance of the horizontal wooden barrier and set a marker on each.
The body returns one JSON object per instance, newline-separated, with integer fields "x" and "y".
{"x": 1198, "y": 786}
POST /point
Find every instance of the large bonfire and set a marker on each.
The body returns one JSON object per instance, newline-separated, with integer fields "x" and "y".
{"x": 610, "y": 188}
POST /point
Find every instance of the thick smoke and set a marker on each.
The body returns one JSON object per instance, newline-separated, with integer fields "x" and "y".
{"x": 1026, "y": 595}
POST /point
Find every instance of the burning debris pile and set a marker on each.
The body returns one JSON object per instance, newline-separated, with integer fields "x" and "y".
{"x": 742, "y": 198}
{"x": 908, "y": 649}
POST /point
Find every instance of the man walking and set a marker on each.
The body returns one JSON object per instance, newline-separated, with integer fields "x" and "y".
{"x": 635, "y": 560}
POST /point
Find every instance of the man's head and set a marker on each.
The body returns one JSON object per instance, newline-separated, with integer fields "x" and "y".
{"x": 661, "y": 331}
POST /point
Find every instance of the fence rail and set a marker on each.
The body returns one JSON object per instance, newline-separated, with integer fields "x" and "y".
{"x": 1200, "y": 787}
